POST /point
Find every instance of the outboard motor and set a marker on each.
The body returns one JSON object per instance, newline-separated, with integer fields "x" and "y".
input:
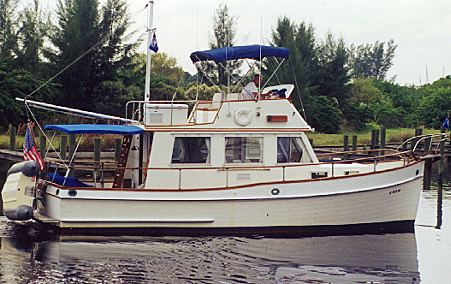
{"x": 18, "y": 190}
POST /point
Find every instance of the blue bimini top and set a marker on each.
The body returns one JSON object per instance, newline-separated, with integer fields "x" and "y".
{"x": 95, "y": 129}
{"x": 240, "y": 52}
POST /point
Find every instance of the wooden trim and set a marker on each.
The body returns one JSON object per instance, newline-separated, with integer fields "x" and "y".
{"x": 238, "y": 186}
{"x": 226, "y": 130}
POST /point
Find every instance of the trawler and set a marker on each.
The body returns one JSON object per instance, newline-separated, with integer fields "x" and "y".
{"x": 228, "y": 165}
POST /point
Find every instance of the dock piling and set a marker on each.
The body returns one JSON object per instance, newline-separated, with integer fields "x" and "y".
{"x": 63, "y": 147}
{"x": 42, "y": 144}
{"x": 440, "y": 184}
{"x": 354, "y": 143}
{"x": 345, "y": 146}
{"x": 117, "y": 148}
{"x": 12, "y": 137}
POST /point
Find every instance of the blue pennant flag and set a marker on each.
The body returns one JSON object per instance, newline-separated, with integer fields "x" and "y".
{"x": 445, "y": 124}
{"x": 153, "y": 43}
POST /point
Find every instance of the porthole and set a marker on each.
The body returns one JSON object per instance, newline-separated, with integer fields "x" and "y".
{"x": 72, "y": 193}
{"x": 417, "y": 172}
{"x": 275, "y": 191}
{"x": 57, "y": 191}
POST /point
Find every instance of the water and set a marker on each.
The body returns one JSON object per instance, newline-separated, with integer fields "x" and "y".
{"x": 28, "y": 255}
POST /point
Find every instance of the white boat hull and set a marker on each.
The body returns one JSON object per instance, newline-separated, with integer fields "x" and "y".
{"x": 382, "y": 197}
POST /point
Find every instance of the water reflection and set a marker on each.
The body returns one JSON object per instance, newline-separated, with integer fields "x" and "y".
{"x": 28, "y": 255}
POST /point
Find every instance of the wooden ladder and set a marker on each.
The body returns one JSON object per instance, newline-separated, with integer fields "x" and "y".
{"x": 122, "y": 163}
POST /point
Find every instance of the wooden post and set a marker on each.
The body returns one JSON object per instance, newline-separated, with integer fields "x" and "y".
{"x": 117, "y": 148}
{"x": 373, "y": 139}
{"x": 427, "y": 174}
{"x": 345, "y": 146}
{"x": 63, "y": 147}
{"x": 383, "y": 136}
{"x": 97, "y": 142}
{"x": 12, "y": 137}
{"x": 440, "y": 185}
{"x": 418, "y": 131}
{"x": 377, "y": 138}
{"x": 72, "y": 145}
{"x": 354, "y": 143}
{"x": 42, "y": 144}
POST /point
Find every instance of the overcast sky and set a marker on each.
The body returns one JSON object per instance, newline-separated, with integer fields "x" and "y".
{"x": 420, "y": 28}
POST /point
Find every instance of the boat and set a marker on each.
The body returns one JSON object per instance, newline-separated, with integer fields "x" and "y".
{"x": 230, "y": 166}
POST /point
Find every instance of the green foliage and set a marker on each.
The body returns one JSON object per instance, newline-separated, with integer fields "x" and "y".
{"x": 224, "y": 30}
{"x": 434, "y": 103}
{"x": 327, "y": 116}
{"x": 372, "y": 60}
{"x": 201, "y": 92}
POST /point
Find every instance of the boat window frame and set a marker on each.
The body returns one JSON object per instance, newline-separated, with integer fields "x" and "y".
{"x": 305, "y": 155}
{"x": 206, "y": 163}
{"x": 261, "y": 144}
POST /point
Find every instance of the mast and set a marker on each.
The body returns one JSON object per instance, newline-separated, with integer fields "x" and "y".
{"x": 149, "y": 39}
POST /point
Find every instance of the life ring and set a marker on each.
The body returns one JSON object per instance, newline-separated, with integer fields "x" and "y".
{"x": 243, "y": 117}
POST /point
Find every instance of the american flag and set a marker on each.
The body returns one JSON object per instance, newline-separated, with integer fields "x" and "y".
{"x": 30, "y": 152}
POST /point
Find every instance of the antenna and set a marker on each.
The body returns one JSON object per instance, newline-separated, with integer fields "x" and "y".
{"x": 427, "y": 75}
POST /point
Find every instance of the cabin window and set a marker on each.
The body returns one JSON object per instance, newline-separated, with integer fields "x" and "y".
{"x": 191, "y": 150}
{"x": 289, "y": 149}
{"x": 243, "y": 149}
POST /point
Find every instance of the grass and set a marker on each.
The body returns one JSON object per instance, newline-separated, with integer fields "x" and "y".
{"x": 393, "y": 135}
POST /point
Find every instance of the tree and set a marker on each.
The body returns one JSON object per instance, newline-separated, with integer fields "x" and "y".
{"x": 32, "y": 33}
{"x": 76, "y": 32}
{"x": 372, "y": 60}
{"x": 224, "y": 30}
{"x": 8, "y": 26}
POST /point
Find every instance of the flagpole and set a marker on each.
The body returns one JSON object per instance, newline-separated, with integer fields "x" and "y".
{"x": 148, "y": 62}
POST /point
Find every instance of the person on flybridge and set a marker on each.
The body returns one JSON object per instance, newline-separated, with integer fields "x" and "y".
{"x": 250, "y": 91}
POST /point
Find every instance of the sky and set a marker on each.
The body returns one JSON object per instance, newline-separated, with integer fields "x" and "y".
{"x": 420, "y": 28}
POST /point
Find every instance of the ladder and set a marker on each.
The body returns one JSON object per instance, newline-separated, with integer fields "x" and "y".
{"x": 122, "y": 162}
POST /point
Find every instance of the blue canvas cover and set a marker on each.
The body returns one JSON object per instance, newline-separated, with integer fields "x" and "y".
{"x": 240, "y": 52}
{"x": 95, "y": 129}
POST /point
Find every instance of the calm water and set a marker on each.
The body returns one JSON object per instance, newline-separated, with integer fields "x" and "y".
{"x": 28, "y": 255}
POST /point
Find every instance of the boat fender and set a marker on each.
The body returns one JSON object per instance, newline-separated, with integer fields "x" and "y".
{"x": 28, "y": 168}
{"x": 243, "y": 117}
{"x": 22, "y": 213}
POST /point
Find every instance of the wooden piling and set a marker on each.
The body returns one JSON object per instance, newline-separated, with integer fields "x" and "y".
{"x": 427, "y": 145}
{"x": 311, "y": 141}
{"x": 373, "y": 139}
{"x": 427, "y": 174}
{"x": 345, "y": 146}
{"x": 42, "y": 145}
{"x": 440, "y": 185}
{"x": 383, "y": 136}
{"x": 354, "y": 143}
{"x": 377, "y": 139}
{"x": 72, "y": 145}
{"x": 117, "y": 148}
{"x": 12, "y": 138}
{"x": 97, "y": 142}
{"x": 404, "y": 144}
{"x": 63, "y": 147}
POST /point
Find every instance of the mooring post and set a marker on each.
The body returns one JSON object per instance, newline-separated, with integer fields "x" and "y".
{"x": 97, "y": 142}
{"x": 373, "y": 139}
{"x": 72, "y": 145}
{"x": 345, "y": 146}
{"x": 311, "y": 141}
{"x": 440, "y": 184}
{"x": 63, "y": 147}
{"x": 12, "y": 137}
{"x": 427, "y": 174}
{"x": 383, "y": 136}
{"x": 42, "y": 144}
{"x": 377, "y": 139}
{"x": 427, "y": 145}
{"x": 117, "y": 148}
{"x": 354, "y": 142}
